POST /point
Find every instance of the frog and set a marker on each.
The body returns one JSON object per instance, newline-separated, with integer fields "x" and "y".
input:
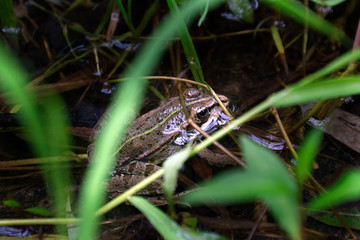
{"x": 158, "y": 134}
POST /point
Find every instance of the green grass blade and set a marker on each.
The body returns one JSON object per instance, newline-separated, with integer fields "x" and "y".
{"x": 126, "y": 17}
{"x": 38, "y": 211}
{"x": 187, "y": 43}
{"x": 129, "y": 9}
{"x": 249, "y": 187}
{"x": 328, "y": 2}
{"x": 350, "y": 217}
{"x": 284, "y": 206}
{"x": 126, "y": 100}
{"x": 105, "y": 19}
{"x": 307, "y": 155}
{"x": 147, "y": 17}
{"x": 7, "y": 15}
{"x": 165, "y": 225}
{"x": 266, "y": 178}
{"x": 325, "y": 89}
{"x": 171, "y": 166}
{"x": 285, "y": 210}
{"x": 11, "y": 203}
{"x": 297, "y": 11}
{"x": 9, "y": 22}
{"x": 43, "y": 119}
{"x": 13, "y": 80}
{"x": 203, "y": 14}
{"x": 346, "y": 189}
{"x": 340, "y": 62}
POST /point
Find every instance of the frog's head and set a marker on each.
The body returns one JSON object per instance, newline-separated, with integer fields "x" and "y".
{"x": 205, "y": 111}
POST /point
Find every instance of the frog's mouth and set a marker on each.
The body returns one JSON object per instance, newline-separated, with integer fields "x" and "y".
{"x": 216, "y": 119}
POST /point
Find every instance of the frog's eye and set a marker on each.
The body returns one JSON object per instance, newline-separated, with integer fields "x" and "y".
{"x": 201, "y": 112}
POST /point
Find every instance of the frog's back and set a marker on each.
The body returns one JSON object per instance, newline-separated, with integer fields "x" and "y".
{"x": 153, "y": 131}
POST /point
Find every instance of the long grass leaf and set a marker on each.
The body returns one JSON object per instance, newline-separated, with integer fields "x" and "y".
{"x": 45, "y": 122}
{"x": 125, "y": 16}
{"x": 328, "y": 2}
{"x": 266, "y": 178}
{"x": 187, "y": 43}
{"x": 165, "y": 226}
{"x": 297, "y": 11}
{"x": 346, "y": 189}
{"x": 172, "y": 165}
{"x": 307, "y": 155}
{"x": 8, "y": 22}
{"x": 325, "y": 89}
{"x": 105, "y": 19}
{"x": 336, "y": 65}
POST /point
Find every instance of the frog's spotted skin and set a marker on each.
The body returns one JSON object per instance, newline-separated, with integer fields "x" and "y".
{"x": 160, "y": 133}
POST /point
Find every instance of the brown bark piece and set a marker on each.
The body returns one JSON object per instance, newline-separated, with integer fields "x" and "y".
{"x": 345, "y": 127}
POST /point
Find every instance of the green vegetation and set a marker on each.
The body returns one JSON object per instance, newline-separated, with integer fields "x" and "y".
{"x": 266, "y": 177}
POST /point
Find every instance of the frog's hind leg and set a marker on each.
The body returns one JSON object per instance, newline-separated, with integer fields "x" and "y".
{"x": 126, "y": 177}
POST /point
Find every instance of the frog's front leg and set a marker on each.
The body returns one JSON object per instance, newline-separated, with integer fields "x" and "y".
{"x": 127, "y": 176}
{"x": 215, "y": 159}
